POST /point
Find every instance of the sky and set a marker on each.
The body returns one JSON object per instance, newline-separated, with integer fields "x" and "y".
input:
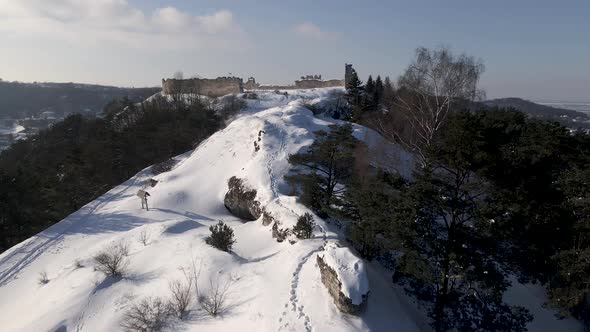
{"x": 534, "y": 49}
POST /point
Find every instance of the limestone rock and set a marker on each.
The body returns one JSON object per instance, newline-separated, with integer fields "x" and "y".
{"x": 241, "y": 201}
{"x": 345, "y": 277}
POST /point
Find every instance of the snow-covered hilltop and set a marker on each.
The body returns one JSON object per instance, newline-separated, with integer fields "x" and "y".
{"x": 49, "y": 282}
{"x": 273, "y": 286}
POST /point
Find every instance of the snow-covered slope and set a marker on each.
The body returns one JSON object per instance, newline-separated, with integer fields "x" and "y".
{"x": 275, "y": 286}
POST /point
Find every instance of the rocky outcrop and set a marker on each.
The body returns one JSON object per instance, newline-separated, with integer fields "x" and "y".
{"x": 241, "y": 201}
{"x": 351, "y": 279}
{"x": 267, "y": 218}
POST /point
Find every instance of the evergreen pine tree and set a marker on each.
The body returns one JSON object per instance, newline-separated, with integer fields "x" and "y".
{"x": 443, "y": 229}
{"x": 222, "y": 236}
{"x": 369, "y": 102}
{"x": 325, "y": 165}
{"x": 304, "y": 227}
{"x": 378, "y": 93}
{"x": 388, "y": 93}
{"x": 370, "y": 86}
{"x": 354, "y": 96}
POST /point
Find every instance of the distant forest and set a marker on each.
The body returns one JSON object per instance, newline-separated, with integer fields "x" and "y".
{"x": 18, "y": 100}
{"x": 568, "y": 118}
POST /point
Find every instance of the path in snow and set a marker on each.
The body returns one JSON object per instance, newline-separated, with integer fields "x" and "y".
{"x": 272, "y": 158}
{"x": 296, "y": 309}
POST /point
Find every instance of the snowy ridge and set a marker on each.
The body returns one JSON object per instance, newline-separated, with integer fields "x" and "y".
{"x": 275, "y": 286}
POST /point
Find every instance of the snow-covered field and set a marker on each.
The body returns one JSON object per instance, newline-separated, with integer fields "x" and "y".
{"x": 580, "y": 107}
{"x": 274, "y": 286}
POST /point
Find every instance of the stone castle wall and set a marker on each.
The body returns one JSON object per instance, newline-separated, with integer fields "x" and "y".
{"x": 312, "y": 84}
{"x": 222, "y": 86}
{"x": 217, "y": 87}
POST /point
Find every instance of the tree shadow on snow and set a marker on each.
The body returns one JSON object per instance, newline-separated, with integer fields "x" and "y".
{"x": 182, "y": 227}
{"x": 108, "y": 223}
{"x": 187, "y": 214}
{"x": 106, "y": 283}
{"x": 243, "y": 260}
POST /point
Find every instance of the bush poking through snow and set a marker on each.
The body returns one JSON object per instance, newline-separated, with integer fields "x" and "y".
{"x": 222, "y": 237}
{"x": 280, "y": 234}
{"x": 148, "y": 315}
{"x": 304, "y": 227}
{"x": 181, "y": 296}
{"x": 144, "y": 237}
{"x": 213, "y": 301}
{"x": 123, "y": 246}
{"x": 78, "y": 264}
{"x": 43, "y": 279}
{"x": 111, "y": 261}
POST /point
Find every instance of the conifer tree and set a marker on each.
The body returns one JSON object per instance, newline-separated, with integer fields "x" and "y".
{"x": 388, "y": 93}
{"x": 325, "y": 165}
{"x": 354, "y": 96}
{"x": 370, "y": 86}
{"x": 378, "y": 93}
{"x": 304, "y": 227}
{"x": 443, "y": 228}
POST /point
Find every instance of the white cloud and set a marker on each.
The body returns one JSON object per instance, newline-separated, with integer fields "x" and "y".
{"x": 310, "y": 30}
{"x": 118, "y": 21}
{"x": 220, "y": 21}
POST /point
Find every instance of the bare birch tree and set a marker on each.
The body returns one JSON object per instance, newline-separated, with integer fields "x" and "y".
{"x": 434, "y": 83}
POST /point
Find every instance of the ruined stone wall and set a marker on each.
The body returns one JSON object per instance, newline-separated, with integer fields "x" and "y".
{"x": 208, "y": 87}
{"x": 312, "y": 84}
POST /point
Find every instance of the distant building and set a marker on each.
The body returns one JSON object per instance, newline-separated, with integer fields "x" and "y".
{"x": 216, "y": 87}
{"x": 251, "y": 84}
{"x": 348, "y": 72}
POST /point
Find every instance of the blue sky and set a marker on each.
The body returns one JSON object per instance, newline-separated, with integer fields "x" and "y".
{"x": 533, "y": 49}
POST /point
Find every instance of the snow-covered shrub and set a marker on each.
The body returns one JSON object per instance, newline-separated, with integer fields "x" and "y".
{"x": 181, "y": 296}
{"x": 267, "y": 218}
{"x": 222, "y": 236}
{"x": 144, "y": 237}
{"x": 213, "y": 300}
{"x": 250, "y": 95}
{"x": 279, "y": 233}
{"x": 231, "y": 106}
{"x": 43, "y": 279}
{"x": 148, "y": 315}
{"x": 123, "y": 246}
{"x": 78, "y": 263}
{"x": 164, "y": 166}
{"x": 304, "y": 227}
{"x": 111, "y": 261}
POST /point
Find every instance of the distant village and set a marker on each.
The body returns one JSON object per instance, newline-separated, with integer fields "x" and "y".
{"x": 14, "y": 129}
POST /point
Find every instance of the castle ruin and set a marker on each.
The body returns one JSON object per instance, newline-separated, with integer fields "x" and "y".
{"x": 222, "y": 86}
{"x": 348, "y": 72}
{"x": 216, "y": 87}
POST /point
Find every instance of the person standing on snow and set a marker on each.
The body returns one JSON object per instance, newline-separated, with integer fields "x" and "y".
{"x": 143, "y": 195}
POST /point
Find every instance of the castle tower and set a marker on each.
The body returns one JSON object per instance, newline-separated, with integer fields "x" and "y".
{"x": 348, "y": 71}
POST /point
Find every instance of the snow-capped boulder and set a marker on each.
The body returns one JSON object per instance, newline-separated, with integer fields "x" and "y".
{"x": 345, "y": 277}
{"x": 241, "y": 201}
